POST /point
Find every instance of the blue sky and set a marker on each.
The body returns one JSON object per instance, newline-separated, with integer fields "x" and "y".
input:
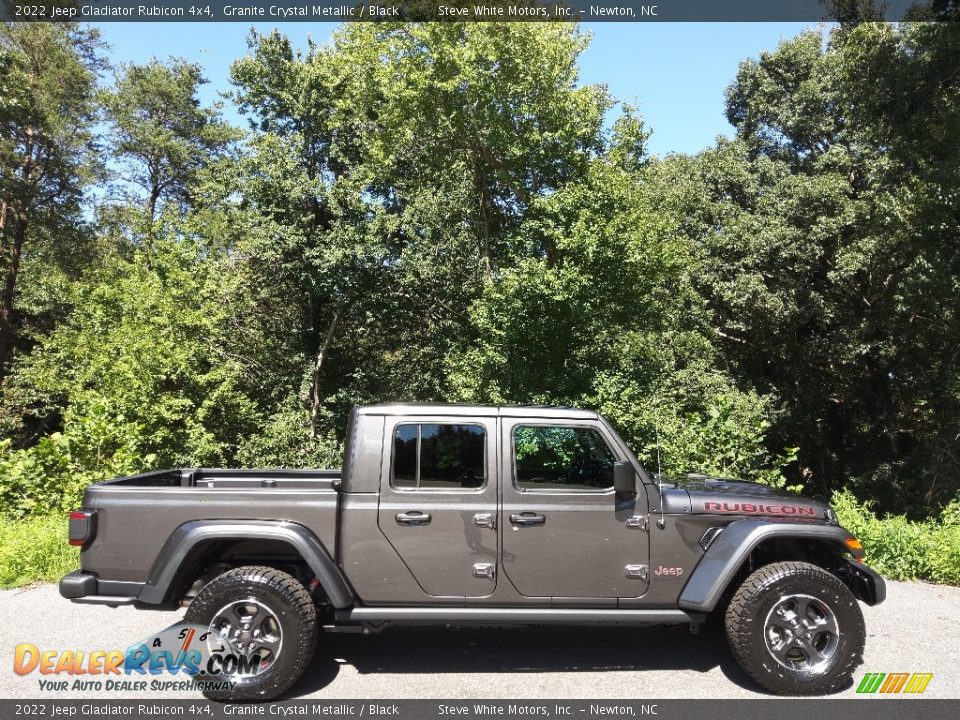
{"x": 675, "y": 73}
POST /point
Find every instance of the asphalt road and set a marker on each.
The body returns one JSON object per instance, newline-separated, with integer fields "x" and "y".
{"x": 916, "y": 630}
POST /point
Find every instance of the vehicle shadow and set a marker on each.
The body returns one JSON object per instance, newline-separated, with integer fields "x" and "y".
{"x": 542, "y": 649}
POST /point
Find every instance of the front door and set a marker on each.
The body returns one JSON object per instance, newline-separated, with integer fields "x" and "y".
{"x": 438, "y": 503}
{"x": 566, "y": 533}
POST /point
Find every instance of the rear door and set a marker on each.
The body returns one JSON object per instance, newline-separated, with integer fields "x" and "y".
{"x": 566, "y": 533}
{"x": 438, "y": 502}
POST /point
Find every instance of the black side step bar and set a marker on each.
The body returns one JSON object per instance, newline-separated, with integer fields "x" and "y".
{"x": 520, "y": 616}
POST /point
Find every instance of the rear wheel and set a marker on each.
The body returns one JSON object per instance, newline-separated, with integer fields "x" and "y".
{"x": 269, "y": 618}
{"x": 796, "y": 629}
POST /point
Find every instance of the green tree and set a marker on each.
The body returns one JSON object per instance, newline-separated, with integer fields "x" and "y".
{"x": 47, "y": 85}
{"x": 161, "y": 135}
{"x": 831, "y": 252}
{"x": 490, "y": 116}
{"x": 611, "y": 320}
{"x": 388, "y": 174}
{"x": 305, "y": 230}
{"x": 147, "y": 358}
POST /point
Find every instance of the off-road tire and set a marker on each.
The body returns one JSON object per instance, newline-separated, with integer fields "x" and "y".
{"x": 293, "y": 607}
{"x": 754, "y": 602}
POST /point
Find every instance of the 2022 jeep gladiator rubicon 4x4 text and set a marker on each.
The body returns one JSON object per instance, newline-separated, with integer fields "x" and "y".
{"x": 477, "y": 514}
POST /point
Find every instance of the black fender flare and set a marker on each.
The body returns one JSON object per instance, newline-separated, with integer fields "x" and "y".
{"x": 734, "y": 544}
{"x": 188, "y": 539}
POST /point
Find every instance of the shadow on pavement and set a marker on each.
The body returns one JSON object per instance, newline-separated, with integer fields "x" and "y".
{"x": 438, "y": 650}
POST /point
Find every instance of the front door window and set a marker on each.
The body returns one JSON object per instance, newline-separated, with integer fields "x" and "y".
{"x": 561, "y": 458}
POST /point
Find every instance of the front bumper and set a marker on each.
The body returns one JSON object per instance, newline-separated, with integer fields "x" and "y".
{"x": 865, "y": 582}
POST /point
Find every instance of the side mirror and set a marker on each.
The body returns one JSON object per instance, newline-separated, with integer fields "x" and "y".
{"x": 624, "y": 478}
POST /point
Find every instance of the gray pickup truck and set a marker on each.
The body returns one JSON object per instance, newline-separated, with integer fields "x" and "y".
{"x": 477, "y": 514}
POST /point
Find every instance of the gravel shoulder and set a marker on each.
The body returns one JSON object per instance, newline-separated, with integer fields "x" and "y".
{"x": 915, "y": 630}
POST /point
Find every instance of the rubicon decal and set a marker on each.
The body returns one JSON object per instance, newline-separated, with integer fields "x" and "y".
{"x": 894, "y": 683}
{"x": 759, "y": 509}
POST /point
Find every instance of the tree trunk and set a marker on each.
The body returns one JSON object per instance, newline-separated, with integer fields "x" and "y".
{"x": 14, "y": 252}
{"x": 9, "y": 292}
{"x": 483, "y": 226}
{"x": 152, "y": 205}
{"x": 4, "y": 205}
{"x": 151, "y": 215}
{"x": 317, "y": 366}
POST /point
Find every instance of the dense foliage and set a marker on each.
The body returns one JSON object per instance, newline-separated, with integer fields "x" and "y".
{"x": 904, "y": 549}
{"x": 441, "y": 212}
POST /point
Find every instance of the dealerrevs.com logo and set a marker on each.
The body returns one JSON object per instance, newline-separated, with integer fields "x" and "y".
{"x": 894, "y": 683}
{"x": 196, "y": 657}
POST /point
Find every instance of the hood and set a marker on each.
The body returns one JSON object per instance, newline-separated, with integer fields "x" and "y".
{"x": 719, "y": 496}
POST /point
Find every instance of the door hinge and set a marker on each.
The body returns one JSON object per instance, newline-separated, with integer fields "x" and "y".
{"x": 481, "y": 570}
{"x": 636, "y": 571}
{"x": 637, "y": 521}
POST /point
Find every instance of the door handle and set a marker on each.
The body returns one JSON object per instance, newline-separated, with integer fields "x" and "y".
{"x": 528, "y": 519}
{"x": 414, "y": 517}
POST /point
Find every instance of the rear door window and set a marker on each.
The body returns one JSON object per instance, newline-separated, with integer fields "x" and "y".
{"x": 439, "y": 456}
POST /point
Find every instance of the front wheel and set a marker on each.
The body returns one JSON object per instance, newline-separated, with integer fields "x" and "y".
{"x": 796, "y": 629}
{"x": 266, "y": 616}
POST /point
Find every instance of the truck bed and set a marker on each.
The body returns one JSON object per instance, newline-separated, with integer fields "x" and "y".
{"x": 136, "y": 515}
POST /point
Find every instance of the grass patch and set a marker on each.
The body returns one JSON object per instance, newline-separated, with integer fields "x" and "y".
{"x": 903, "y": 549}
{"x": 35, "y": 549}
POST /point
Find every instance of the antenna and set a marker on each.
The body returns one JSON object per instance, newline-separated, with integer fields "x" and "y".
{"x": 661, "y": 523}
{"x": 656, "y": 434}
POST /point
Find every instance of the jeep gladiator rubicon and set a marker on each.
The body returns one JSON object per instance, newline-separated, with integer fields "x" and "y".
{"x": 477, "y": 514}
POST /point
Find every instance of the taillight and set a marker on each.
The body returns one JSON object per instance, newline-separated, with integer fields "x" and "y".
{"x": 82, "y": 526}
